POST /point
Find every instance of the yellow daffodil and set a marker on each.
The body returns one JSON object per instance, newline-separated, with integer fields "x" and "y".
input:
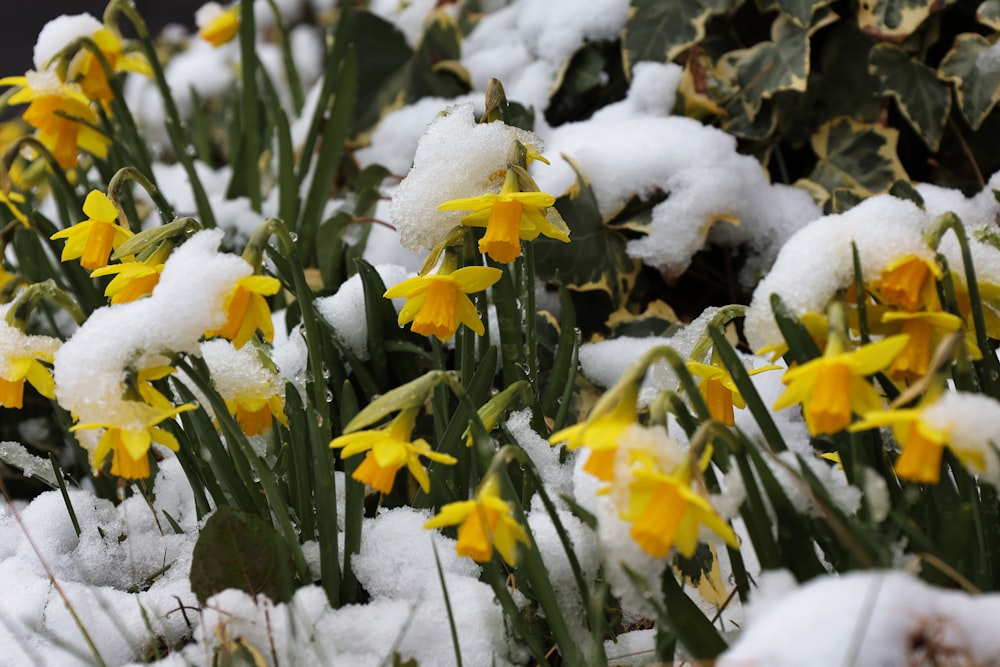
{"x": 834, "y": 386}
{"x": 390, "y": 449}
{"x": 666, "y": 512}
{"x": 719, "y": 390}
{"x": 247, "y": 310}
{"x": 254, "y": 414}
{"x": 94, "y": 239}
{"x": 86, "y": 69}
{"x": 131, "y": 280}
{"x": 21, "y": 357}
{"x": 484, "y": 522}
{"x": 437, "y": 304}
{"x": 509, "y": 217}
{"x": 600, "y": 433}
{"x": 909, "y": 283}
{"x": 923, "y": 442}
{"x": 145, "y": 390}
{"x": 129, "y": 444}
{"x": 925, "y": 329}
{"x": 217, "y": 25}
{"x": 62, "y": 115}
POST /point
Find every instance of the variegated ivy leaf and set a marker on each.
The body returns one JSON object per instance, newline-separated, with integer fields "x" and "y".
{"x": 800, "y": 11}
{"x": 988, "y": 14}
{"x": 781, "y": 64}
{"x": 596, "y": 258}
{"x": 659, "y": 31}
{"x": 858, "y": 156}
{"x": 923, "y": 98}
{"x": 895, "y": 20}
{"x": 976, "y": 76}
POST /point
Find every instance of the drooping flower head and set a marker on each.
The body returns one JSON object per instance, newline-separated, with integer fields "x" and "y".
{"x": 21, "y": 357}
{"x": 247, "y": 310}
{"x": 129, "y": 442}
{"x": 438, "y": 303}
{"x": 86, "y": 69}
{"x": 248, "y": 383}
{"x": 62, "y": 115}
{"x": 389, "y": 450}
{"x": 600, "y": 433}
{"x": 509, "y": 217}
{"x": 93, "y": 240}
{"x": 719, "y": 390}
{"x": 909, "y": 283}
{"x": 967, "y": 424}
{"x": 217, "y": 24}
{"x": 834, "y": 386}
{"x": 484, "y": 523}
{"x": 925, "y": 329}
{"x": 666, "y": 512}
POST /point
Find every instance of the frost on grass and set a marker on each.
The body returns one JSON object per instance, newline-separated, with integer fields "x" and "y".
{"x": 865, "y": 619}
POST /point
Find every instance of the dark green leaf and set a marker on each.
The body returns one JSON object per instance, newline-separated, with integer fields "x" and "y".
{"x": 243, "y": 551}
{"x": 660, "y": 31}
{"x": 595, "y": 258}
{"x": 922, "y": 97}
{"x": 858, "y": 156}
{"x": 895, "y": 20}
{"x": 977, "y": 84}
{"x": 800, "y": 11}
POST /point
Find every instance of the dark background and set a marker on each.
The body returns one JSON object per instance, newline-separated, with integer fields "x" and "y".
{"x": 24, "y": 20}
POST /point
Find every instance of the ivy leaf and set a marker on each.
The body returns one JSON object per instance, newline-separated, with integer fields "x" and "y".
{"x": 988, "y": 14}
{"x": 923, "y": 98}
{"x": 781, "y": 64}
{"x": 977, "y": 82}
{"x": 799, "y": 11}
{"x": 858, "y": 156}
{"x": 660, "y": 31}
{"x": 595, "y": 258}
{"x": 895, "y": 20}
{"x": 243, "y": 551}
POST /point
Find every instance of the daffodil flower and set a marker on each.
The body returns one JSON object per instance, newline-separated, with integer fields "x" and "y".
{"x": 923, "y": 436}
{"x": 390, "y": 449}
{"x": 925, "y": 329}
{"x": 128, "y": 444}
{"x": 437, "y": 304}
{"x": 247, "y": 310}
{"x": 86, "y": 69}
{"x": 719, "y": 390}
{"x": 217, "y": 25}
{"x": 666, "y": 512}
{"x": 834, "y": 386}
{"x": 909, "y": 283}
{"x": 131, "y": 280}
{"x": 93, "y": 240}
{"x": 62, "y": 115}
{"x": 600, "y": 433}
{"x": 13, "y": 201}
{"x": 21, "y": 357}
{"x": 509, "y": 216}
{"x": 484, "y": 523}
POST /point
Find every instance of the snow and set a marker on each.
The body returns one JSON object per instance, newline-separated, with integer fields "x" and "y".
{"x": 59, "y": 33}
{"x": 865, "y": 619}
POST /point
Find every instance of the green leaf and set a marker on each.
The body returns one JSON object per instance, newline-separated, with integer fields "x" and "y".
{"x": 660, "y": 31}
{"x": 923, "y": 98}
{"x": 799, "y": 11}
{"x": 895, "y": 20}
{"x": 845, "y": 88}
{"x": 977, "y": 88}
{"x": 781, "y": 64}
{"x": 243, "y": 551}
{"x": 988, "y": 14}
{"x": 858, "y": 156}
{"x": 595, "y": 258}
{"x": 383, "y": 64}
